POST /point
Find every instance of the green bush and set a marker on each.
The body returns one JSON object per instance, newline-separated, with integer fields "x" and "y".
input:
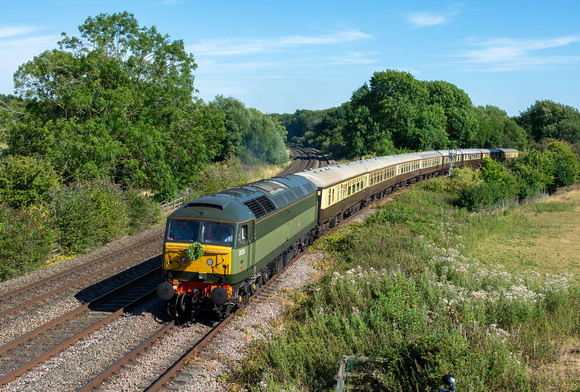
{"x": 219, "y": 176}
{"x": 87, "y": 214}
{"x": 25, "y": 242}
{"x": 142, "y": 211}
{"x": 26, "y": 180}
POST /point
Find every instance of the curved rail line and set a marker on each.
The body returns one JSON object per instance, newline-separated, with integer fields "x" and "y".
{"x": 305, "y": 158}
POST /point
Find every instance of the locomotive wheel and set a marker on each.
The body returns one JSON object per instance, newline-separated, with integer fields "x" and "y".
{"x": 244, "y": 293}
{"x": 224, "y": 310}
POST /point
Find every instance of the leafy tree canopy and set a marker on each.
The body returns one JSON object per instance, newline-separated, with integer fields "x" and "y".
{"x": 116, "y": 103}
{"x": 395, "y": 112}
{"x": 548, "y": 119}
{"x": 25, "y": 181}
{"x": 251, "y": 134}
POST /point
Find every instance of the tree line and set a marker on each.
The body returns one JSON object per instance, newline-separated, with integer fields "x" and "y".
{"x": 395, "y": 112}
{"x": 111, "y": 117}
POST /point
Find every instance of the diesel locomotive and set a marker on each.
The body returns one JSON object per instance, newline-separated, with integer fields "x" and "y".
{"x": 219, "y": 249}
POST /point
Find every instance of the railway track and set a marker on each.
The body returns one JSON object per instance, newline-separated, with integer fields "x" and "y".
{"x": 29, "y": 295}
{"x": 42, "y": 342}
{"x": 305, "y": 158}
{"x": 33, "y": 348}
{"x": 169, "y": 375}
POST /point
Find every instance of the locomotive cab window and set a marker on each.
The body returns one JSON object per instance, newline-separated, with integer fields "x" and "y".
{"x": 217, "y": 233}
{"x": 243, "y": 236}
{"x": 181, "y": 230}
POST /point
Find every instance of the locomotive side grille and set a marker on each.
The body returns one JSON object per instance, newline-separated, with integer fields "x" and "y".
{"x": 266, "y": 203}
{"x": 290, "y": 196}
{"x": 256, "y": 208}
{"x": 309, "y": 187}
{"x": 280, "y": 200}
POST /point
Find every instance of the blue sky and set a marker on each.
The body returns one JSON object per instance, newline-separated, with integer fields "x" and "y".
{"x": 278, "y": 57}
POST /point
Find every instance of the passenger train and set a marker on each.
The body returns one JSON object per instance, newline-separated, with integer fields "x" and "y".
{"x": 219, "y": 249}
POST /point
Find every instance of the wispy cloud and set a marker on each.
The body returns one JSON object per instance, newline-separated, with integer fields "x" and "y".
{"x": 427, "y": 19}
{"x": 239, "y": 46}
{"x": 355, "y": 58}
{"x": 15, "y": 31}
{"x": 504, "y": 54}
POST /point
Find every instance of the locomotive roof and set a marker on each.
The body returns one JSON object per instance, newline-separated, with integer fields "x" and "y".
{"x": 243, "y": 203}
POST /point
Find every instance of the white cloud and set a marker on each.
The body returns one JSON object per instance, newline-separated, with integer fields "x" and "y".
{"x": 427, "y": 19}
{"x": 503, "y": 54}
{"x": 238, "y": 46}
{"x": 355, "y": 58}
{"x": 14, "y": 31}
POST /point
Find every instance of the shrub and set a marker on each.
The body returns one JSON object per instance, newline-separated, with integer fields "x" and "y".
{"x": 142, "y": 211}
{"x": 25, "y": 242}
{"x": 564, "y": 163}
{"x": 87, "y": 214}
{"x": 26, "y": 180}
{"x": 219, "y": 176}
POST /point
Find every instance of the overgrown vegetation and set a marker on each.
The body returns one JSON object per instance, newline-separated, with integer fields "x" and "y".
{"x": 73, "y": 219}
{"x": 400, "y": 287}
{"x": 26, "y": 241}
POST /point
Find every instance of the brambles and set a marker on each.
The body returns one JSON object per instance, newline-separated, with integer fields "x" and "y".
{"x": 25, "y": 241}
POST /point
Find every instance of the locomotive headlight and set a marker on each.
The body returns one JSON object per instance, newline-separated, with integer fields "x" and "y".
{"x": 209, "y": 261}
{"x": 183, "y": 260}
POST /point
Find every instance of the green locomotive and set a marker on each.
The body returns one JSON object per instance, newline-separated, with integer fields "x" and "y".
{"x": 243, "y": 235}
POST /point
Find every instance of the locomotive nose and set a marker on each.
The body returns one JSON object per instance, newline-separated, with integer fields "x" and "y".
{"x": 165, "y": 291}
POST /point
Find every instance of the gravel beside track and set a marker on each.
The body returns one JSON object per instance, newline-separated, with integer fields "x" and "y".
{"x": 30, "y": 318}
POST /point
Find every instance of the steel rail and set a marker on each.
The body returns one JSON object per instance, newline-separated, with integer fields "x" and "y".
{"x": 13, "y": 293}
{"x": 11, "y": 376}
{"x": 85, "y": 279}
{"x": 174, "y": 369}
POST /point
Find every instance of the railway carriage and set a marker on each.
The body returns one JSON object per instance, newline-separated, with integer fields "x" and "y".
{"x": 220, "y": 248}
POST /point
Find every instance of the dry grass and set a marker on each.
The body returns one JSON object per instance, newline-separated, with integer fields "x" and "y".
{"x": 548, "y": 241}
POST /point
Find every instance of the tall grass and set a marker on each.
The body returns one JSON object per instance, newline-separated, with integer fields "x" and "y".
{"x": 399, "y": 288}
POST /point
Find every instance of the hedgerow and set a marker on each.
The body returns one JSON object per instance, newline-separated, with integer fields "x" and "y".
{"x": 26, "y": 241}
{"x": 87, "y": 213}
